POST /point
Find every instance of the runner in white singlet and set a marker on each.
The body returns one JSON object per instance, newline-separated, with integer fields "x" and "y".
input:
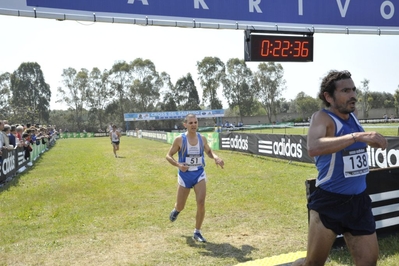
{"x": 115, "y": 137}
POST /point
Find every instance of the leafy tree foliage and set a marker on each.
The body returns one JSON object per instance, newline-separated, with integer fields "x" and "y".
{"x": 269, "y": 84}
{"x": 170, "y": 99}
{"x": 75, "y": 92}
{"x": 211, "y": 71}
{"x": 396, "y": 101}
{"x": 306, "y": 105}
{"x": 237, "y": 87}
{"x": 364, "y": 97}
{"x": 146, "y": 85}
{"x": 382, "y": 99}
{"x": 120, "y": 79}
{"x": 134, "y": 87}
{"x": 98, "y": 95}
{"x": 5, "y": 95}
{"x": 31, "y": 94}
{"x": 187, "y": 94}
{"x": 182, "y": 96}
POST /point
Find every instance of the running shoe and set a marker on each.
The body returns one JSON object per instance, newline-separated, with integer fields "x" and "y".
{"x": 198, "y": 237}
{"x": 173, "y": 215}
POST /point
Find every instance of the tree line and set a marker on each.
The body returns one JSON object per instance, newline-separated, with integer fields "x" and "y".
{"x": 95, "y": 98}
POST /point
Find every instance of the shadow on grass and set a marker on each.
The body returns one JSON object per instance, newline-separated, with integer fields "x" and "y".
{"x": 222, "y": 250}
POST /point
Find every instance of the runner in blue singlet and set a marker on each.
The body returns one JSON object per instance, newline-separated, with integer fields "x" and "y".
{"x": 191, "y": 147}
{"x": 340, "y": 205}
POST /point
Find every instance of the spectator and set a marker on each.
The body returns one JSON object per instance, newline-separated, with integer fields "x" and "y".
{"x": 44, "y": 135}
{"x": 13, "y": 136}
{"x": 26, "y": 143}
{"x": 6, "y": 132}
{"x": 20, "y": 131}
{"x": 33, "y": 132}
{"x": 1, "y": 140}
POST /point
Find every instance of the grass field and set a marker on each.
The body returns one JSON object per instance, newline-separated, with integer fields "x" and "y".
{"x": 78, "y": 205}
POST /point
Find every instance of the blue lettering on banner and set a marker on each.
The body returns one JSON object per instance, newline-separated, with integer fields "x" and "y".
{"x": 380, "y": 13}
{"x": 173, "y": 115}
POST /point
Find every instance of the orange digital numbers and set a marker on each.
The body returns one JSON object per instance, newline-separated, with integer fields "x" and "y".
{"x": 265, "y": 48}
{"x": 277, "y": 48}
{"x": 304, "y": 50}
{"x": 285, "y": 51}
{"x": 280, "y": 48}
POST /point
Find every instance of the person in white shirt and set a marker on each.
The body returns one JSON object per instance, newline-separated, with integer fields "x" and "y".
{"x": 115, "y": 137}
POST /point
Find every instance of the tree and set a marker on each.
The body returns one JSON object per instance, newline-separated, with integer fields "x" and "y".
{"x": 257, "y": 109}
{"x": 186, "y": 94}
{"x": 146, "y": 85}
{"x": 75, "y": 92}
{"x": 64, "y": 119}
{"x": 120, "y": 79}
{"x": 381, "y": 100}
{"x": 31, "y": 94}
{"x": 5, "y": 95}
{"x": 283, "y": 105}
{"x": 269, "y": 84}
{"x": 237, "y": 86}
{"x": 169, "y": 99}
{"x": 396, "y": 101}
{"x": 211, "y": 71}
{"x": 389, "y": 100}
{"x": 365, "y": 98}
{"x": 98, "y": 94}
{"x": 306, "y": 105}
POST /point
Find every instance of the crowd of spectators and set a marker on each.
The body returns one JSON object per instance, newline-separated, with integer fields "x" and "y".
{"x": 19, "y": 135}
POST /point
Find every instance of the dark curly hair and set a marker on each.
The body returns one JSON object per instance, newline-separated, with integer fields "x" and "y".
{"x": 328, "y": 83}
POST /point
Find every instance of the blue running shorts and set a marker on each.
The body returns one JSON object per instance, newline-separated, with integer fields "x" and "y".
{"x": 343, "y": 213}
{"x": 189, "y": 179}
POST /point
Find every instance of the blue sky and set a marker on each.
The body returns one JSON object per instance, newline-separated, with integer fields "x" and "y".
{"x": 56, "y": 45}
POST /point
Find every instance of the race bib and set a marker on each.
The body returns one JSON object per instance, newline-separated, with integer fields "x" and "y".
{"x": 194, "y": 160}
{"x": 355, "y": 162}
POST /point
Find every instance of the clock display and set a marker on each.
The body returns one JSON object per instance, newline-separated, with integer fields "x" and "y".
{"x": 279, "y": 48}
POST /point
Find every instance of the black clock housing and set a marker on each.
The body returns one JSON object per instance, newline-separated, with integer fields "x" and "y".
{"x": 278, "y": 47}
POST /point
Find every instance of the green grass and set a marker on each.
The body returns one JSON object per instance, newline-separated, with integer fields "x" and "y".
{"x": 78, "y": 205}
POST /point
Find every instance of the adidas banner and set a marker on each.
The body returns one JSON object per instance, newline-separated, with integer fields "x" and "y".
{"x": 288, "y": 147}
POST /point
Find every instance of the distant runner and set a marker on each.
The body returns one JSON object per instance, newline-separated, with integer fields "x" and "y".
{"x": 115, "y": 137}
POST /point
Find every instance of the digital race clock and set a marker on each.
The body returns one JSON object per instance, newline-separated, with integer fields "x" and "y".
{"x": 278, "y": 47}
